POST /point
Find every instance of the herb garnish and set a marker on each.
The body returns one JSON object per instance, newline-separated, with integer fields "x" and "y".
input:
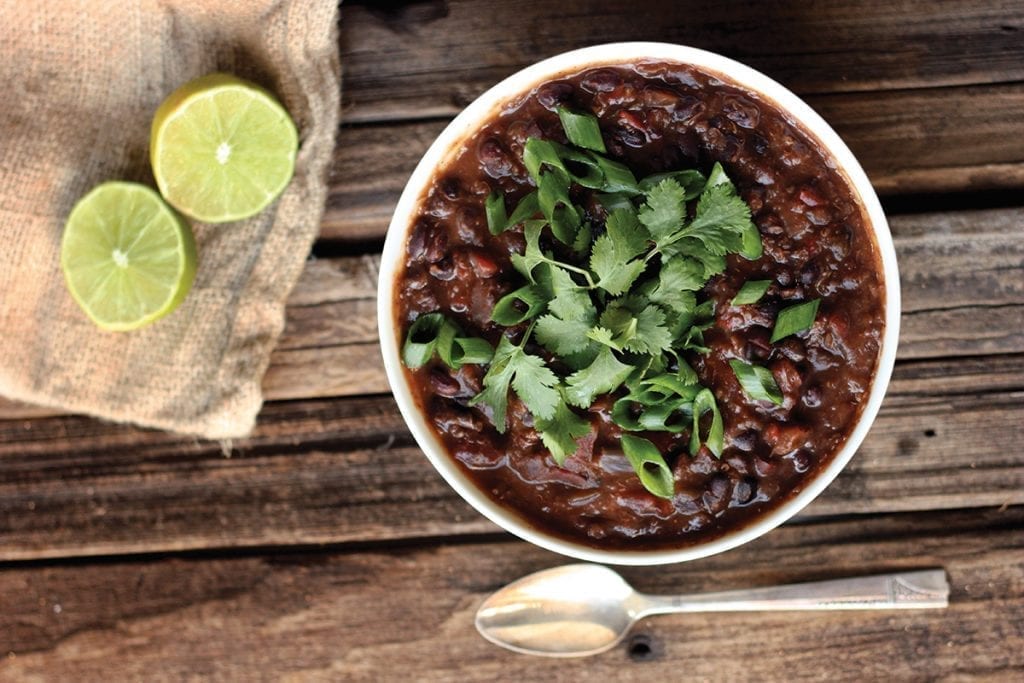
{"x": 751, "y": 292}
{"x": 615, "y": 307}
{"x": 794, "y": 319}
{"x": 757, "y": 382}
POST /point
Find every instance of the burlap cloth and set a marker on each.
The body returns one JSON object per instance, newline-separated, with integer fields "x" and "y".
{"x": 80, "y": 82}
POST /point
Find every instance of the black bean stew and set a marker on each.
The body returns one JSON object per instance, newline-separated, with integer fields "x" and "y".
{"x": 658, "y": 117}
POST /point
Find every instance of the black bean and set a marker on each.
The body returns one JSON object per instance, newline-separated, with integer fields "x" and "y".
{"x": 443, "y": 384}
{"x": 745, "y": 440}
{"x": 741, "y": 111}
{"x": 744, "y": 491}
{"x": 437, "y": 245}
{"x": 443, "y": 270}
{"x": 417, "y": 246}
{"x": 551, "y": 95}
{"x": 812, "y": 396}
{"x": 600, "y": 80}
{"x": 494, "y": 160}
{"x": 715, "y": 495}
{"x": 450, "y": 187}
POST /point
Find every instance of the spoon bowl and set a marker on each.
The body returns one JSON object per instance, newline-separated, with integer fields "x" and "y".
{"x": 584, "y": 609}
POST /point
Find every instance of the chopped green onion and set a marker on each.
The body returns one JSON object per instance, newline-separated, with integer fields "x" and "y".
{"x": 557, "y": 207}
{"x": 539, "y": 153}
{"x": 617, "y": 177}
{"x": 581, "y": 129}
{"x": 421, "y": 340}
{"x": 497, "y": 219}
{"x": 433, "y": 333}
{"x": 757, "y": 382}
{"x": 691, "y": 180}
{"x": 718, "y": 176}
{"x": 615, "y": 201}
{"x": 649, "y": 465}
{"x": 470, "y": 351}
{"x": 751, "y": 247}
{"x": 507, "y": 311}
{"x": 751, "y": 292}
{"x": 527, "y": 207}
{"x": 794, "y": 319}
{"x": 715, "y": 440}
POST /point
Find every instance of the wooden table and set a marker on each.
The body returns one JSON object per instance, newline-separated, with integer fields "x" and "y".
{"x": 325, "y": 547}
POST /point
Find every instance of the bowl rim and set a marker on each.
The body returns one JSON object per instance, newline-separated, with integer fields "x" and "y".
{"x": 513, "y": 87}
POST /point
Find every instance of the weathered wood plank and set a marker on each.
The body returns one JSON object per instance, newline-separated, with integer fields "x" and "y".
{"x": 347, "y": 470}
{"x": 379, "y": 615}
{"x": 963, "y": 287}
{"x": 430, "y": 58}
{"x": 914, "y": 141}
{"x": 963, "y": 290}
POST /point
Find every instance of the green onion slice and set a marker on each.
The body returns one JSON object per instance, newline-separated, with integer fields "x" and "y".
{"x": 509, "y": 310}
{"x": 715, "y": 439}
{"x": 751, "y": 292}
{"x": 794, "y": 319}
{"x": 581, "y": 129}
{"x": 649, "y": 465}
{"x": 757, "y": 382}
{"x": 494, "y": 207}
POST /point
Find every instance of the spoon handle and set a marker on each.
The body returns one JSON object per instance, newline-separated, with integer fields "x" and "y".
{"x": 905, "y": 590}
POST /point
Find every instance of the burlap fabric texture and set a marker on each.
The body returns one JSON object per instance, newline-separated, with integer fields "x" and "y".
{"x": 81, "y": 80}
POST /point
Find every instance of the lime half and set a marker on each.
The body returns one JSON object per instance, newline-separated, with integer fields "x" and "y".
{"x": 127, "y": 257}
{"x": 222, "y": 148}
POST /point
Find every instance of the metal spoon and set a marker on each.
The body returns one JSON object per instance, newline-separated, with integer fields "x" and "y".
{"x": 584, "y": 609}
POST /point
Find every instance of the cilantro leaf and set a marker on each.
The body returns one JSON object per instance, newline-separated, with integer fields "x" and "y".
{"x": 562, "y": 337}
{"x": 612, "y": 254}
{"x": 496, "y": 383}
{"x": 614, "y": 275}
{"x": 602, "y": 376}
{"x": 535, "y": 383}
{"x": 652, "y": 336}
{"x": 720, "y": 220}
{"x": 562, "y": 432}
{"x": 665, "y": 210}
{"x": 712, "y": 263}
{"x": 569, "y": 301}
{"x": 532, "y": 380}
{"x": 627, "y": 232}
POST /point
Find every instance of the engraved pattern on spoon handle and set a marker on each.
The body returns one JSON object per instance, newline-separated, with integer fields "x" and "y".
{"x": 926, "y": 589}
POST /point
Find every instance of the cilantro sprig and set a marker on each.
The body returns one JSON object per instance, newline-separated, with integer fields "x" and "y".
{"x": 611, "y": 299}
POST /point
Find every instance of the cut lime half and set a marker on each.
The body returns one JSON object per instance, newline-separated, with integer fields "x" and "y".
{"x": 222, "y": 148}
{"x": 127, "y": 257}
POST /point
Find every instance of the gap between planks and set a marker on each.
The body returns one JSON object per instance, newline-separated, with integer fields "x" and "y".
{"x": 346, "y": 471}
{"x": 376, "y": 615}
{"x": 415, "y": 59}
{"x": 962, "y": 276}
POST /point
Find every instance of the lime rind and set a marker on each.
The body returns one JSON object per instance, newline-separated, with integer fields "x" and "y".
{"x": 222, "y": 149}
{"x": 119, "y": 218}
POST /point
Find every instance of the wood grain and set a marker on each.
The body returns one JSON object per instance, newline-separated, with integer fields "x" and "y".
{"x": 392, "y": 614}
{"x": 962, "y": 277}
{"x": 963, "y": 294}
{"x": 430, "y": 58}
{"x": 914, "y": 141}
{"x": 336, "y": 471}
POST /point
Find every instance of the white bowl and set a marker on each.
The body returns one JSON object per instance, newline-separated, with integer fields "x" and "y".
{"x": 465, "y": 124}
